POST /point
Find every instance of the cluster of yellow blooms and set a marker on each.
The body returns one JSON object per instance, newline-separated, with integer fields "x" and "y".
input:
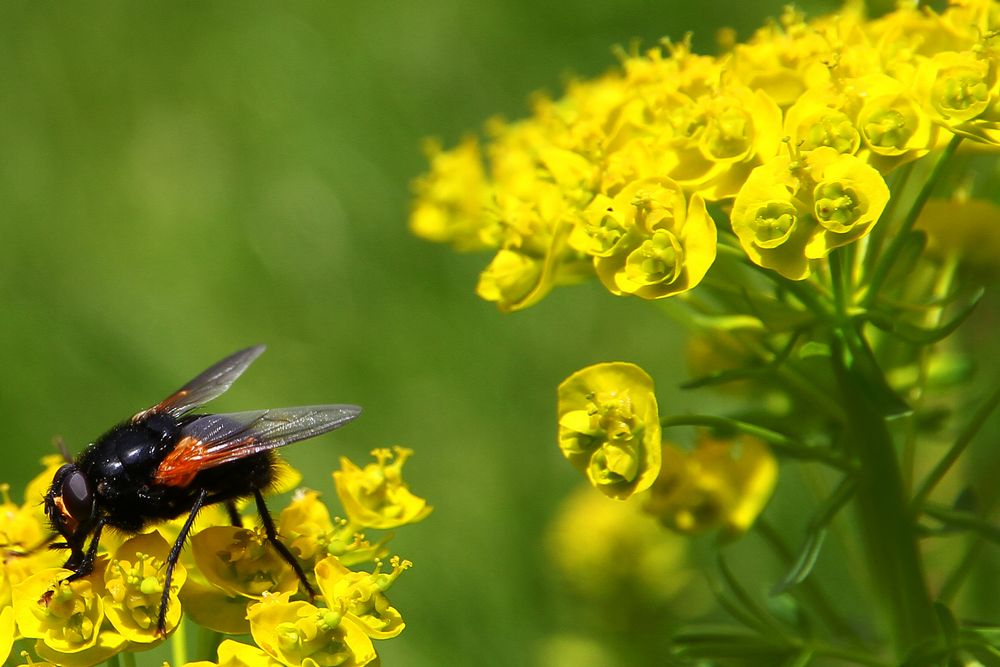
{"x": 791, "y": 134}
{"x": 771, "y": 155}
{"x": 229, "y": 581}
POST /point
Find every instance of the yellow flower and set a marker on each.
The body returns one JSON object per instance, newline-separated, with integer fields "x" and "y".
{"x": 791, "y": 211}
{"x": 299, "y": 633}
{"x": 535, "y": 228}
{"x": 960, "y": 90}
{"x": 648, "y": 240}
{"x": 8, "y": 628}
{"x": 895, "y": 127}
{"x": 609, "y": 427}
{"x": 376, "y": 496}
{"x": 729, "y": 132}
{"x": 234, "y": 654}
{"x": 307, "y": 529}
{"x": 108, "y": 644}
{"x": 66, "y": 616}
{"x": 363, "y": 594}
{"x": 241, "y": 562}
{"x": 721, "y": 483}
{"x": 451, "y": 198}
{"x": 134, "y": 583}
{"x": 818, "y": 119}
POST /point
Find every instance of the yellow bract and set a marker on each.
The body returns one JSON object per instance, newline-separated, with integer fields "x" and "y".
{"x": 134, "y": 582}
{"x": 363, "y": 594}
{"x": 376, "y": 496}
{"x": 609, "y": 427}
{"x": 299, "y": 633}
{"x": 793, "y": 210}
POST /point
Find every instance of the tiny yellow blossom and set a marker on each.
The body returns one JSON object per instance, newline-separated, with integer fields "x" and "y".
{"x": 8, "y": 629}
{"x": 241, "y": 562}
{"x": 648, "y": 240}
{"x": 311, "y": 534}
{"x": 234, "y": 654}
{"x": 960, "y": 90}
{"x": 450, "y": 199}
{"x": 609, "y": 427}
{"x": 134, "y": 583}
{"x": 66, "y": 616}
{"x": 109, "y": 643}
{"x": 791, "y": 211}
{"x": 363, "y": 594}
{"x": 376, "y": 496}
{"x": 299, "y": 633}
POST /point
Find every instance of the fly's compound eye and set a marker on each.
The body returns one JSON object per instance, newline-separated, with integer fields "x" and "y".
{"x": 77, "y": 498}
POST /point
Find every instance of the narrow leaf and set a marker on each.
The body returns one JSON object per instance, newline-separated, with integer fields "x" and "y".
{"x": 803, "y": 564}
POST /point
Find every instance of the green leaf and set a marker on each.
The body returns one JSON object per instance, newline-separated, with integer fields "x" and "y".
{"x": 803, "y": 564}
{"x": 921, "y": 336}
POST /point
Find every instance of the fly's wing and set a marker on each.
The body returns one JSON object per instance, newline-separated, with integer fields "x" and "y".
{"x": 210, "y": 384}
{"x": 212, "y": 440}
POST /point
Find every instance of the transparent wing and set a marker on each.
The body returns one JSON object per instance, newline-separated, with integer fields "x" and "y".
{"x": 210, "y": 384}
{"x": 212, "y": 440}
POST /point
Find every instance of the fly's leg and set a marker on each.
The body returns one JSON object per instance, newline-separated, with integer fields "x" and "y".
{"x": 234, "y": 514}
{"x": 82, "y": 563}
{"x": 175, "y": 554}
{"x": 272, "y": 537}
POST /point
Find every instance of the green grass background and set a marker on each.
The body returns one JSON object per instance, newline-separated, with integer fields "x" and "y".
{"x": 181, "y": 179}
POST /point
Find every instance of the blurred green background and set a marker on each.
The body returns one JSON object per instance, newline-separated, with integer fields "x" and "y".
{"x": 179, "y": 180}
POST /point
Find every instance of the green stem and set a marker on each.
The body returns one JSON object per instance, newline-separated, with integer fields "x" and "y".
{"x": 888, "y": 259}
{"x": 113, "y": 661}
{"x": 779, "y": 442}
{"x": 178, "y": 644}
{"x": 951, "y": 585}
{"x": 208, "y": 643}
{"x": 888, "y": 528}
{"x": 128, "y": 657}
{"x": 956, "y": 450}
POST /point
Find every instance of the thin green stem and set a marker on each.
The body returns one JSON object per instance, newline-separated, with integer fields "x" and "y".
{"x": 207, "y": 643}
{"x": 956, "y": 450}
{"x": 891, "y": 254}
{"x": 839, "y": 279}
{"x": 779, "y": 442}
{"x": 178, "y": 643}
{"x": 113, "y": 661}
{"x": 953, "y": 584}
{"x": 887, "y": 525}
{"x": 128, "y": 658}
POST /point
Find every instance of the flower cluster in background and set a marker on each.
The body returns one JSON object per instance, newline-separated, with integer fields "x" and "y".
{"x": 791, "y": 134}
{"x": 230, "y": 580}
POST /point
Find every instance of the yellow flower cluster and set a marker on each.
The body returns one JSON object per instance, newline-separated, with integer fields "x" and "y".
{"x": 230, "y": 580}
{"x": 791, "y": 134}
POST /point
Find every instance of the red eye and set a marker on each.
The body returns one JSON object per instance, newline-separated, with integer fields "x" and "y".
{"x": 76, "y": 496}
